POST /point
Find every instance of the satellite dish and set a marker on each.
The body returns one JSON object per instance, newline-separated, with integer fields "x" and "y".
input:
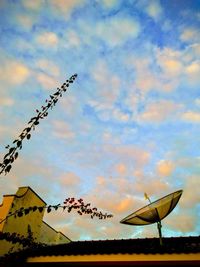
{"x": 154, "y": 212}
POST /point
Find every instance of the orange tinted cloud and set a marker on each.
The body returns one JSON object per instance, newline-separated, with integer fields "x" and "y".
{"x": 165, "y": 168}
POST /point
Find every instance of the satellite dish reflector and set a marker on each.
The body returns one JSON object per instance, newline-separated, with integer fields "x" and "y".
{"x": 154, "y": 212}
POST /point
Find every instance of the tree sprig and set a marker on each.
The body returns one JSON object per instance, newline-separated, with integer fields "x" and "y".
{"x": 13, "y": 150}
{"x": 69, "y": 205}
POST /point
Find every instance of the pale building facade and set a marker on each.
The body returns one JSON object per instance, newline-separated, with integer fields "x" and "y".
{"x": 25, "y": 225}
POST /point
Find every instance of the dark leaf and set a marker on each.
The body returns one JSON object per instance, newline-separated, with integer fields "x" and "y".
{"x": 57, "y": 93}
{"x": 40, "y": 209}
{"x": 11, "y": 150}
{"x": 28, "y": 136}
{"x": 69, "y": 209}
{"x": 49, "y": 209}
{"x": 6, "y": 161}
{"x": 6, "y": 155}
{"x": 36, "y": 122}
{"x": 16, "y": 155}
{"x": 7, "y": 146}
{"x": 20, "y": 214}
{"x": 19, "y": 143}
{"x": 34, "y": 208}
{"x": 32, "y": 119}
{"x": 26, "y": 211}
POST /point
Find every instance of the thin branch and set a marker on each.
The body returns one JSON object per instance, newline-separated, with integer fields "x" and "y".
{"x": 69, "y": 204}
{"x": 13, "y": 153}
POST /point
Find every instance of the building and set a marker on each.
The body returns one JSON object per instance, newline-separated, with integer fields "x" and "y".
{"x": 28, "y": 225}
{"x": 175, "y": 251}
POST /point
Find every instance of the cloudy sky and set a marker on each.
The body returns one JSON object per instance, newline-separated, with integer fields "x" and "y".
{"x": 130, "y": 122}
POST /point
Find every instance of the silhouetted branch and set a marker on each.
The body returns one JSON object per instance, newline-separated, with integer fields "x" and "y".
{"x": 16, "y": 238}
{"x": 69, "y": 204}
{"x": 13, "y": 153}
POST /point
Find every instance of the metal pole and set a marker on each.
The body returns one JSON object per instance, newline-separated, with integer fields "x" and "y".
{"x": 159, "y": 225}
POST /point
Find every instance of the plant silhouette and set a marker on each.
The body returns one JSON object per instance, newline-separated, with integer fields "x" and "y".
{"x": 69, "y": 204}
{"x": 13, "y": 150}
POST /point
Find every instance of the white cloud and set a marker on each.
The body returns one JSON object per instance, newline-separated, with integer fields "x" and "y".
{"x": 33, "y": 5}
{"x": 46, "y": 81}
{"x": 26, "y": 21}
{"x": 117, "y": 31}
{"x": 107, "y": 92}
{"x": 49, "y": 67}
{"x": 190, "y": 35}
{"x": 72, "y": 39}
{"x": 159, "y": 111}
{"x": 191, "y": 116}
{"x": 170, "y": 62}
{"x": 192, "y": 72}
{"x": 63, "y": 130}
{"x": 183, "y": 222}
{"x": 154, "y": 9}
{"x": 126, "y": 153}
{"x": 148, "y": 75}
{"x": 108, "y": 4}
{"x": 165, "y": 168}
{"x": 48, "y": 39}
{"x": 14, "y": 72}
{"x": 66, "y": 7}
{"x": 6, "y": 101}
{"x": 197, "y": 101}
{"x": 191, "y": 196}
{"x": 119, "y": 115}
{"x": 121, "y": 168}
{"x": 69, "y": 179}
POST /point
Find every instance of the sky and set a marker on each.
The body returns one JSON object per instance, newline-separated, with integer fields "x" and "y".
{"x": 129, "y": 123}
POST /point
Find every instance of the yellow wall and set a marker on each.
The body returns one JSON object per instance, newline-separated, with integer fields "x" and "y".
{"x": 4, "y": 208}
{"x": 50, "y": 236}
{"x": 193, "y": 257}
{"x": 25, "y": 197}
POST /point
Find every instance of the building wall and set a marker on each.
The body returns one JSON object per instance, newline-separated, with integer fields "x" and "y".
{"x": 32, "y": 222}
{"x": 50, "y": 236}
{"x": 164, "y": 259}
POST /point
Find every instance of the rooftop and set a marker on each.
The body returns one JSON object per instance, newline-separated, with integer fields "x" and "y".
{"x": 189, "y": 244}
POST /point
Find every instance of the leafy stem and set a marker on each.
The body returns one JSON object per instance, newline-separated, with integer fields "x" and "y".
{"x": 69, "y": 204}
{"x": 13, "y": 153}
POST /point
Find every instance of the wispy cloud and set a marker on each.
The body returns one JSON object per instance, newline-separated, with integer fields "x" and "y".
{"x": 111, "y": 31}
{"x": 14, "y": 72}
{"x": 190, "y": 35}
{"x": 48, "y": 39}
{"x": 191, "y": 116}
